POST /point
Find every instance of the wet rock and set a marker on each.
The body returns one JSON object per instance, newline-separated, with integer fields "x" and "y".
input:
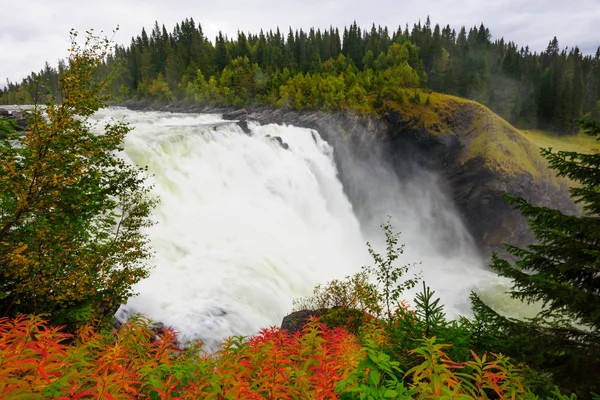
{"x": 237, "y": 114}
{"x": 279, "y": 141}
{"x": 18, "y": 116}
{"x": 244, "y": 125}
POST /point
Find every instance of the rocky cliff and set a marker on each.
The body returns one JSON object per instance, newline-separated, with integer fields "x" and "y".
{"x": 478, "y": 155}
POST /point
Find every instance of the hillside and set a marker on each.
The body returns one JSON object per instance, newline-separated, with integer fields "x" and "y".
{"x": 482, "y": 157}
{"x": 484, "y": 134}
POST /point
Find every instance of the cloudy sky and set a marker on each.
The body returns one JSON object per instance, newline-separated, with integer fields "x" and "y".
{"x": 34, "y": 31}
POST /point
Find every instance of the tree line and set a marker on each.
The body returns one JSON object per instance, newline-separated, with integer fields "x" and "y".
{"x": 354, "y": 68}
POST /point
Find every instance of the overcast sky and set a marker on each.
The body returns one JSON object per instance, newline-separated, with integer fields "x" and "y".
{"x": 32, "y": 32}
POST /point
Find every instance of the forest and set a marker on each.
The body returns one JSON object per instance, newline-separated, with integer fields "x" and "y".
{"x": 362, "y": 70}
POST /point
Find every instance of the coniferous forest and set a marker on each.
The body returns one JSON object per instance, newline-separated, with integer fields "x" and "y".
{"x": 354, "y": 69}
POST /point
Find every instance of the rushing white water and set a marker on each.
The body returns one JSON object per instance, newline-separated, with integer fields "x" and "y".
{"x": 244, "y": 225}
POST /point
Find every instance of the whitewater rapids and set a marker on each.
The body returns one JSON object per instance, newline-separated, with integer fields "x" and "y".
{"x": 245, "y": 225}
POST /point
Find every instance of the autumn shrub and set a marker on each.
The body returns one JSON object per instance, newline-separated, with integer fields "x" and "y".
{"x": 482, "y": 377}
{"x": 141, "y": 362}
{"x": 38, "y": 361}
{"x": 435, "y": 376}
{"x": 355, "y": 292}
{"x": 71, "y": 211}
{"x": 344, "y": 303}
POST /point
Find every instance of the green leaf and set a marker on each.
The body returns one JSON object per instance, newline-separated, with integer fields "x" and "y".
{"x": 374, "y": 377}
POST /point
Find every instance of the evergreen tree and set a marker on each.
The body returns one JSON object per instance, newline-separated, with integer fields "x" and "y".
{"x": 562, "y": 271}
{"x": 222, "y": 56}
{"x": 549, "y": 90}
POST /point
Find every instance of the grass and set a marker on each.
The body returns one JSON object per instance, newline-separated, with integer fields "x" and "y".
{"x": 512, "y": 151}
{"x": 436, "y": 117}
{"x": 580, "y": 143}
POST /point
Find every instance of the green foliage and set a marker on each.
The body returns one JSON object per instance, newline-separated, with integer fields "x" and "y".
{"x": 524, "y": 341}
{"x": 7, "y": 125}
{"x": 546, "y": 90}
{"x": 138, "y": 361}
{"x": 561, "y": 271}
{"x": 449, "y": 371}
{"x": 416, "y": 98}
{"x": 388, "y": 275}
{"x": 71, "y": 211}
{"x": 350, "y": 319}
{"x": 376, "y": 377}
{"x": 429, "y": 310}
{"x": 355, "y": 292}
{"x": 348, "y": 303}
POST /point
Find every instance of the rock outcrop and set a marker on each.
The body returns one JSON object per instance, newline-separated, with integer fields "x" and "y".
{"x": 297, "y": 320}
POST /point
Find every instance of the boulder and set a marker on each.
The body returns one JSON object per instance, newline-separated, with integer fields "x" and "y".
{"x": 244, "y": 125}
{"x": 283, "y": 144}
{"x": 297, "y": 320}
{"x": 238, "y": 114}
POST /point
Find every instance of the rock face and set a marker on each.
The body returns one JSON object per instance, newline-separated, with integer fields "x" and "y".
{"x": 477, "y": 190}
{"x": 237, "y": 114}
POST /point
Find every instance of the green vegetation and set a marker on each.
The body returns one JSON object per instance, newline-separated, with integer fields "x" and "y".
{"x": 363, "y": 70}
{"x": 374, "y": 71}
{"x": 7, "y": 126}
{"x": 388, "y": 275}
{"x": 400, "y": 356}
{"x": 71, "y": 215}
{"x": 561, "y": 270}
{"x": 509, "y": 150}
{"x": 71, "y": 211}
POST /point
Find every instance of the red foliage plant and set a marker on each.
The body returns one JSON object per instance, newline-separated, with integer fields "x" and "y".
{"x": 136, "y": 362}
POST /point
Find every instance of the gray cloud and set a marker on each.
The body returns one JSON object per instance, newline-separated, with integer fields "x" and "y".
{"x": 35, "y": 31}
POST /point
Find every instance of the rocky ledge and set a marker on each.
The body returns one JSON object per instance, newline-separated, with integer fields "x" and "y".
{"x": 477, "y": 190}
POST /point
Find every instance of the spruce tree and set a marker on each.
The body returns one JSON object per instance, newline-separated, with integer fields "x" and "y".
{"x": 561, "y": 270}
